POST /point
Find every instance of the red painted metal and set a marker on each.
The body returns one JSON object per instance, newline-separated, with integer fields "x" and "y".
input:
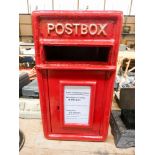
{"x": 64, "y": 31}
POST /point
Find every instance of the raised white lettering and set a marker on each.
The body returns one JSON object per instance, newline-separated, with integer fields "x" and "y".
{"x": 68, "y": 29}
{"x": 84, "y": 29}
{"x": 50, "y": 27}
{"x": 59, "y": 28}
{"x": 76, "y": 28}
{"x": 102, "y": 27}
{"x": 91, "y": 27}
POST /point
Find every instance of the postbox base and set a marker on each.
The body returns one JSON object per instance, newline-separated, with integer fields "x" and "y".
{"x": 75, "y": 137}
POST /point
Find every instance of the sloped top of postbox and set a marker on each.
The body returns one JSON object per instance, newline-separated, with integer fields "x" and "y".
{"x": 77, "y": 26}
{"x": 88, "y": 13}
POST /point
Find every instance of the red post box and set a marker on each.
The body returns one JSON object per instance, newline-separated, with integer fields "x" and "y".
{"x": 76, "y": 54}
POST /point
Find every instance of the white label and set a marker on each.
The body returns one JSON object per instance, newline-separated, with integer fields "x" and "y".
{"x": 76, "y": 104}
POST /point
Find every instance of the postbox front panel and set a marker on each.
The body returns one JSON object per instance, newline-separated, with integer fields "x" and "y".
{"x": 73, "y": 96}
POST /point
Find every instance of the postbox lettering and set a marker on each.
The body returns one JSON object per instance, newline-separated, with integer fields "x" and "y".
{"x": 77, "y": 29}
{"x": 91, "y": 27}
{"x": 50, "y": 27}
{"x": 102, "y": 29}
{"x": 68, "y": 29}
{"x": 84, "y": 29}
{"x": 59, "y": 29}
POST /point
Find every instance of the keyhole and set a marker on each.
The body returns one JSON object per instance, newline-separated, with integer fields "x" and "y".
{"x": 58, "y": 107}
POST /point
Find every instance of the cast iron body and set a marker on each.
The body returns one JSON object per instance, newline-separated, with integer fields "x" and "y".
{"x": 76, "y": 48}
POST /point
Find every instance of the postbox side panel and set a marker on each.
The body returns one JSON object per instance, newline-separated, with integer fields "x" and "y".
{"x": 109, "y": 86}
{"x": 56, "y": 92}
{"x": 44, "y": 100}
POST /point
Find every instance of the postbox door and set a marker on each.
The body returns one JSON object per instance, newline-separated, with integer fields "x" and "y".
{"x": 76, "y": 104}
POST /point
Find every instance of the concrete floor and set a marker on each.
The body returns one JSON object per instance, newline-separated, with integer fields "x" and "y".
{"x": 36, "y": 144}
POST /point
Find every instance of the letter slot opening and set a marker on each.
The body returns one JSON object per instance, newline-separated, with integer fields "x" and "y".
{"x": 74, "y": 53}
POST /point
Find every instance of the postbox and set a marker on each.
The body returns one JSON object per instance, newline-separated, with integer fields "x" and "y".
{"x": 76, "y": 54}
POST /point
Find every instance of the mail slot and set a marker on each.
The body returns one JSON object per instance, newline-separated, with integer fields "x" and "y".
{"x": 76, "y": 54}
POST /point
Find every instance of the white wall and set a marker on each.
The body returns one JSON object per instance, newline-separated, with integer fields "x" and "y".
{"x": 27, "y": 6}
